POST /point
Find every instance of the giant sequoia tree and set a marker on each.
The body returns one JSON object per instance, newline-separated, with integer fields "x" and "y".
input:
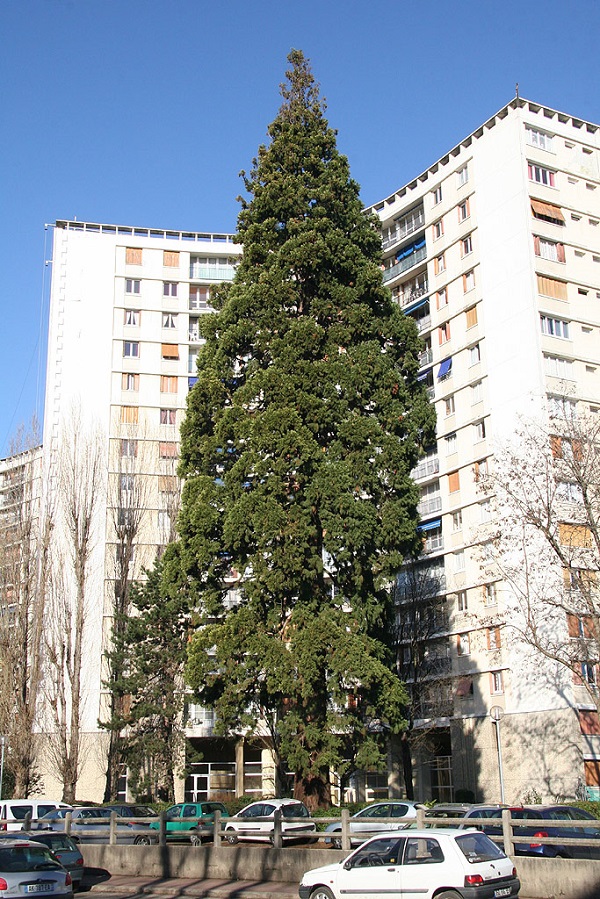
{"x": 297, "y": 449}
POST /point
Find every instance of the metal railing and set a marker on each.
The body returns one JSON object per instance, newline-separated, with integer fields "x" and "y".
{"x": 405, "y": 264}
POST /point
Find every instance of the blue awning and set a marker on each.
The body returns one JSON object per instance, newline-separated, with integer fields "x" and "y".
{"x": 191, "y": 382}
{"x": 430, "y": 525}
{"x": 445, "y": 368}
{"x": 416, "y": 306}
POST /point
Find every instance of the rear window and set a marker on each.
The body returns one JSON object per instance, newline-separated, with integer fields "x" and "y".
{"x": 294, "y": 811}
{"x": 26, "y": 858}
{"x": 56, "y": 841}
{"x": 476, "y": 847}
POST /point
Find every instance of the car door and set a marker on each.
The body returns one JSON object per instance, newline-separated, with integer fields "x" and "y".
{"x": 373, "y": 870}
{"x": 173, "y": 822}
{"x": 422, "y": 865}
{"x": 249, "y": 824}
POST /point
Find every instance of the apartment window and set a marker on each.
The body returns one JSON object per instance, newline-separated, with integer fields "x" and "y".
{"x": 450, "y": 405}
{"x": 439, "y": 264}
{"x": 471, "y": 316}
{"x": 167, "y": 416}
{"x": 461, "y": 601}
{"x": 444, "y": 332}
{"x": 538, "y": 138}
{"x": 490, "y": 595}
{"x": 568, "y": 492}
{"x": 129, "y": 415}
{"x": 167, "y": 450}
{"x": 437, "y": 195}
{"x": 463, "y": 644}
{"x": 463, "y": 211}
{"x": 453, "y": 482}
{"x": 169, "y": 320}
{"x": 474, "y": 354}
{"x": 199, "y": 297}
{"x": 438, "y": 229}
{"x": 130, "y": 381}
{"x": 485, "y": 511}
{"x": 133, "y": 255}
{"x": 171, "y": 258}
{"x": 133, "y": 286}
{"x": 479, "y": 429}
{"x": 558, "y": 368}
{"x": 549, "y": 249}
{"x": 457, "y": 520}
{"x": 192, "y": 361}
{"x": 132, "y": 317}
{"x": 466, "y": 245}
{"x": 468, "y": 281}
{"x": 458, "y": 559}
{"x": 451, "y": 444}
{"x": 476, "y": 392}
{"x": 442, "y": 298}
{"x": 131, "y": 349}
{"x": 561, "y": 407}
{"x": 540, "y": 175}
{"x": 547, "y": 212}
{"x": 552, "y": 287}
{"x": 168, "y": 384}
{"x": 493, "y": 638}
{"x": 129, "y": 449}
{"x": 496, "y": 682}
{"x": 480, "y": 469}
{"x": 589, "y": 673}
{"x": 554, "y": 327}
{"x": 164, "y": 521}
{"x": 170, "y": 288}
{"x": 170, "y": 351}
{"x": 462, "y": 175}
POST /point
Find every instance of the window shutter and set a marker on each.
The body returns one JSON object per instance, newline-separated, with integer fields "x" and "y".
{"x": 171, "y": 258}
{"x": 133, "y": 255}
{"x": 560, "y": 252}
{"x": 167, "y": 450}
{"x": 536, "y": 245}
{"x": 129, "y": 414}
{"x": 471, "y": 315}
{"x": 453, "y": 482}
{"x": 551, "y": 287}
{"x": 556, "y": 447}
{"x": 170, "y": 351}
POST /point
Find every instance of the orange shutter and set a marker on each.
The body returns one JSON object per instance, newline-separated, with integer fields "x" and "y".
{"x": 133, "y": 255}
{"x": 589, "y": 723}
{"x": 453, "y": 482}
{"x": 129, "y": 415}
{"x": 170, "y": 351}
{"x": 171, "y": 258}
{"x": 167, "y": 450}
{"x": 591, "y": 769}
{"x": 471, "y": 315}
{"x": 574, "y": 534}
{"x": 551, "y": 287}
{"x": 556, "y": 447}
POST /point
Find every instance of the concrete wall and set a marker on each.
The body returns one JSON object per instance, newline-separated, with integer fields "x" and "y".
{"x": 540, "y": 878}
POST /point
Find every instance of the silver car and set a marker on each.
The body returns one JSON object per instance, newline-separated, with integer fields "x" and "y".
{"x": 27, "y": 868}
{"x": 91, "y": 824}
{"x": 369, "y": 821}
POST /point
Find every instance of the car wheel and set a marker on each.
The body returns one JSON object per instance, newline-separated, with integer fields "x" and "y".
{"x": 336, "y": 842}
{"x": 143, "y": 841}
{"x": 448, "y": 894}
{"x": 323, "y": 893}
{"x": 231, "y": 837}
{"x": 195, "y": 839}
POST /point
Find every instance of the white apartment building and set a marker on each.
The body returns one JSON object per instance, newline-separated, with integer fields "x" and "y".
{"x": 495, "y": 251}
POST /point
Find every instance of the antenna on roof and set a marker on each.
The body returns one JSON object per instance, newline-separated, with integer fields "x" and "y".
{"x": 517, "y": 90}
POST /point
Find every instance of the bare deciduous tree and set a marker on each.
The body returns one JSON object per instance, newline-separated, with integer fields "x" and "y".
{"x": 24, "y": 546}
{"x": 546, "y": 545}
{"x": 79, "y": 481}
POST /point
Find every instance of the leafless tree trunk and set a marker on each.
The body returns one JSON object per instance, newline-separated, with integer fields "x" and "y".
{"x": 24, "y": 544}
{"x": 79, "y": 484}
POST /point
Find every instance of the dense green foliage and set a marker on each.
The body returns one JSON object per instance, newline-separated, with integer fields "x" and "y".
{"x": 297, "y": 448}
{"x": 149, "y": 653}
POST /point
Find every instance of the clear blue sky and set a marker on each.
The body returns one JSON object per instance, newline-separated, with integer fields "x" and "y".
{"x": 143, "y": 112}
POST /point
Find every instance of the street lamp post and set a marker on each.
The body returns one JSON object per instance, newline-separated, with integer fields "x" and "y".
{"x": 496, "y": 714}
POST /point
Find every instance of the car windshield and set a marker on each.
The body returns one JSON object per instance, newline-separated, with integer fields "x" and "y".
{"x": 27, "y": 858}
{"x": 476, "y": 847}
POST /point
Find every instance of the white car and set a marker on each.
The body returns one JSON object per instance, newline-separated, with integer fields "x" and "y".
{"x": 257, "y": 821}
{"x": 448, "y": 863}
{"x": 368, "y": 821}
{"x": 27, "y": 867}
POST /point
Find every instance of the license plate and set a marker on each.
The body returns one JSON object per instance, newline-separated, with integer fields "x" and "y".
{"x": 505, "y": 891}
{"x": 39, "y": 888}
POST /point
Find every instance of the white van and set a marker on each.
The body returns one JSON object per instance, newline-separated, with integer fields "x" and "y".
{"x": 13, "y": 811}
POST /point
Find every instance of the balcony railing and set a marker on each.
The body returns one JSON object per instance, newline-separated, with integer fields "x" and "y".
{"x": 423, "y": 323}
{"x": 194, "y": 336}
{"x": 405, "y": 264}
{"x": 413, "y": 293}
{"x": 425, "y": 468}
{"x": 433, "y": 543}
{"x": 425, "y": 358}
{"x": 403, "y": 229}
{"x": 430, "y": 505}
{"x": 212, "y": 272}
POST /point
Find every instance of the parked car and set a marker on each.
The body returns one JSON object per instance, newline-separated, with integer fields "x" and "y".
{"x": 27, "y": 867}
{"x": 91, "y": 824}
{"x": 554, "y": 814}
{"x": 256, "y": 821}
{"x": 368, "y": 821}
{"x": 449, "y": 863}
{"x": 62, "y": 847}
{"x": 132, "y": 811}
{"x": 14, "y": 811}
{"x": 191, "y": 821}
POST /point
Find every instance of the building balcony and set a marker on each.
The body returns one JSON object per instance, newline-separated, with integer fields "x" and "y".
{"x": 425, "y": 469}
{"x": 403, "y": 229}
{"x": 425, "y": 358}
{"x": 433, "y": 543}
{"x": 430, "y": 505}
{"x": 414, "y": 259}
{"x": 212, "y": 272}
{"x": 412, "y": 293}
{"x": 424, "y": 323}
{"x": 194, "y": 336}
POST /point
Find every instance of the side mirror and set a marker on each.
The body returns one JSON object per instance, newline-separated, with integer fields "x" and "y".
{"x": 347, "y": 865}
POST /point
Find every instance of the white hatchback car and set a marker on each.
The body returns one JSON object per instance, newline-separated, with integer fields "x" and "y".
{"x": 450, "y": 864}
{"x": 256, "y": 821}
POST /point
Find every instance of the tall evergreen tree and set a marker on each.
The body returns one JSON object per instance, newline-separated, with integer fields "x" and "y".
{"x": 297, "y": 448}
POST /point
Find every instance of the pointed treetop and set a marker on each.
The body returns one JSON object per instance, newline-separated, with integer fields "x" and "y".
{"x": 301, "y": 93}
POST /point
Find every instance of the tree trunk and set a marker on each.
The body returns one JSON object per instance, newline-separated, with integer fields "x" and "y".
{"x": 313, "y": 790}
{"x": 407, "y": 766}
